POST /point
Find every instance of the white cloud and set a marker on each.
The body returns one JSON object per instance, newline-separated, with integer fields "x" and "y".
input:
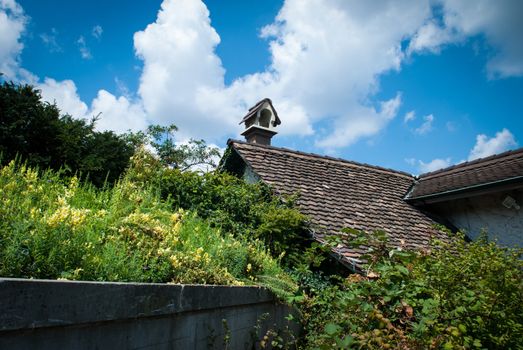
{"x": 409, "y": 116}
{"x": 430, "y": 37}
{"x": 484, "y": 147}
{"x": 117, "y": 114}
{"x": 12, "y": 26}
{"x": 182, "y": 78}
{"x": 327, "y": 55}
{"x": 326, "y": 60}
{"x": 410, "y": 161}
{"x": 433, "y": 165}
{"x": 426, "y": 126}
{"x": 97, "y": 32}
{"x": 65, "y": 95}
{"x": 50, "y": 40}
{"x": 361, "y": 122}
{"x": 84, "y": 50}
{"x": 499, "y": 22}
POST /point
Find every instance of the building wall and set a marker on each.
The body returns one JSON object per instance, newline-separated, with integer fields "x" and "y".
{"x": 44, "y": 314}
{"x": 486, "y": 212}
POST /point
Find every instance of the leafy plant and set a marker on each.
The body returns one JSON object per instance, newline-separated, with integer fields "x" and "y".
{"x": 56, "y": 228}
{"x": 457, "y": 295}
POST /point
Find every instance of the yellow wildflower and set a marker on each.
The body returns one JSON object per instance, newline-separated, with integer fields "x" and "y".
{"x": 101, "y": 213}
{"x": 175, "y": 262}
{"x": 59, "y": 216}
{"x": 175, "y": 218}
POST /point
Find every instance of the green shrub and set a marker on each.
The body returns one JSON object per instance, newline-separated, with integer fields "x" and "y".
{"x": 53, "y": 228}
{"x": 249, "y": 211}
{"x": 457, "y": 295}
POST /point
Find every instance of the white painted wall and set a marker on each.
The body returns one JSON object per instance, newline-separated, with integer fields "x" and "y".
{"x": 486, "y": 213}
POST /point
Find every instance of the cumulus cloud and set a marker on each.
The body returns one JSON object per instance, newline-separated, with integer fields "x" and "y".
{"x": 12, "y": 26}
{"x": 426, "y": 126}
{"x": 326, "y": 58}
{"x": 117, "y": 113}
{"x": 433, "y": 165}
{"x": 183, "y": 79}
{"x": 498, "y": 21}
{"x": 485, "y": 146}
{"x": 363, "y": 121}
{"x": 65, "y": 95}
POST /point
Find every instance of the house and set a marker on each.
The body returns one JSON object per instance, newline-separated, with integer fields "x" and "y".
{"x": 337, "y": 193}
{"x": 481, "y": 195}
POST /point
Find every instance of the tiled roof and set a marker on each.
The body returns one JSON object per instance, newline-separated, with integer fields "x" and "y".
{"x": 482, "y": 172}
{"x": 254, "y": 109}
{"x": 336, "y": 193}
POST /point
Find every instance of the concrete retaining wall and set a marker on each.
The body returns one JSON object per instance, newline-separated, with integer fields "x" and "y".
{"x": 46, "y": 314}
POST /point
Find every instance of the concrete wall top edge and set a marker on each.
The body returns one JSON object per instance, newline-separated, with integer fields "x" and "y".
{"x": 32, "y": 303}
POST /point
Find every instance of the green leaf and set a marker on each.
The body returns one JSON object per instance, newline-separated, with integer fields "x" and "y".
{"x": 331, "y": 328}
{"x": 402, "y": 269}
{"x": 448, "y": 346}
{"x": 462, "y": 328}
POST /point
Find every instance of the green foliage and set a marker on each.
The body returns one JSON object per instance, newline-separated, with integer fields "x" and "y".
{"x": 458, "y": 295}
{"x": 191, "y": 155}
{"x": 35, "y": 131}
{"x": 55, "y": 228}
{"x": 244, "y": 210}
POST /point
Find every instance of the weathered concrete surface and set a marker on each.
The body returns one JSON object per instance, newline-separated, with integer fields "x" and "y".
{"x": 486, "y": 213}
{"x": 45, "y": 314}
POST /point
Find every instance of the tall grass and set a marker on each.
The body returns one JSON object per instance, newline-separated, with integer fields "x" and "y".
{"x": 55, "y": 228}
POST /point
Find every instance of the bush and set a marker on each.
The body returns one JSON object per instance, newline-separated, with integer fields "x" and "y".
{"x": 457, "y": 295}
{"x": 55, "y": 228}
{"x": 247, "y": 211}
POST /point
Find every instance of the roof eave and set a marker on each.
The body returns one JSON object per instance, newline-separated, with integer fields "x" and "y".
{"x": 468, "y": 191}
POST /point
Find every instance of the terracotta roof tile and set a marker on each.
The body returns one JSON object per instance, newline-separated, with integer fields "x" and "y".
{"x": 474, "y": 174}
{"x": 336, "y": 193}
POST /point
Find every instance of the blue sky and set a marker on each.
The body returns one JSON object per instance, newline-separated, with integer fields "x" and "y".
{"x": 409, "y": 85}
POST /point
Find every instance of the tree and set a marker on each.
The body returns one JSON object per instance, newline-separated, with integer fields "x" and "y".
{"x": 36, "y": 132}
{"x": 182, "y": 156}
{"x": 28, "y": 126}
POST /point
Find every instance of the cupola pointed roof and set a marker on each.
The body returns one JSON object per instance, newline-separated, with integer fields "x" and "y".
{"x": 257, "y": 107}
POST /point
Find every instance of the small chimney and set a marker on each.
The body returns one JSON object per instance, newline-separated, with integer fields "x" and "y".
{"x": 260, "y": 122}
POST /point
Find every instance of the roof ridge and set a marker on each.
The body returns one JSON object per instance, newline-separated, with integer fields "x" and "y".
{"x": 457, "y": 168}
{"x": 351, "y": 162}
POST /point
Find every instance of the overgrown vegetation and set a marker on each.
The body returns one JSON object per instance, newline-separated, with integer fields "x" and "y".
{"x": 36, "y": 132}
{"x": 456, "y": 295}
{"x": 53, "y": 228}
{"x": 154, "y": 221}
